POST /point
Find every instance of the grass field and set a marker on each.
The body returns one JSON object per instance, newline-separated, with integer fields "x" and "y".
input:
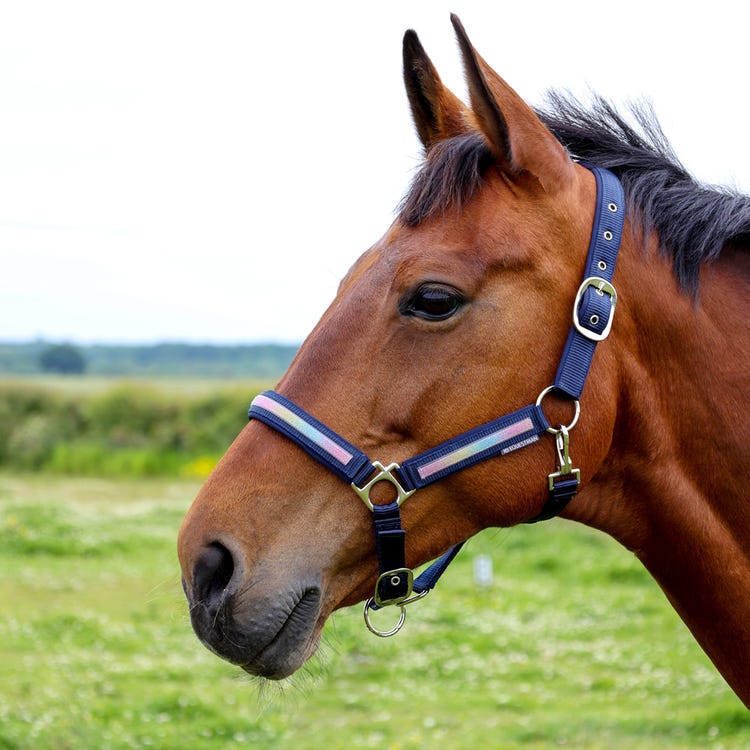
{"x": 572, "y": 645}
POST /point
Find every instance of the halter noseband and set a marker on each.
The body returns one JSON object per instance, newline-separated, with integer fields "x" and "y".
{"x": 593, "y": 312}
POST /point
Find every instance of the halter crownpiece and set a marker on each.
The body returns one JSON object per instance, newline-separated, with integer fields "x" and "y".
{"x": 593, "y": 312}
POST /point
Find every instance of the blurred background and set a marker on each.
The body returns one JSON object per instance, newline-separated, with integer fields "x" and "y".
{"x": 182, "y": 185}
{"x": 179, "y": 171}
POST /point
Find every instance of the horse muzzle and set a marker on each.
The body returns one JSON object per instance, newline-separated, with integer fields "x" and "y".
{"x": 268, "y": 628}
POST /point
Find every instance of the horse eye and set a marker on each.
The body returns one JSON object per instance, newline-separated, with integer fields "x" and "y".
{"x": 432, "y": 302}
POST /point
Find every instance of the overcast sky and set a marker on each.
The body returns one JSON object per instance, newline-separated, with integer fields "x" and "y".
{"x": 198, "y": 171}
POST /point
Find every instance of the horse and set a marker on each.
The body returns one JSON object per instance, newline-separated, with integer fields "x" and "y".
{"x": 490, "y": 352}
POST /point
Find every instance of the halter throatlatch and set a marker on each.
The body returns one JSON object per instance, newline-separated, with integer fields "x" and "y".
{"x": 593, "y": 311}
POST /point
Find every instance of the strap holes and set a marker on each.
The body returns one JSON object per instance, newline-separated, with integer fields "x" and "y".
{"x": 601, "y": 265}
{"x": 612, "y": 207}
{"x": 608, "y": 235}
{"x": 594, "y": 320}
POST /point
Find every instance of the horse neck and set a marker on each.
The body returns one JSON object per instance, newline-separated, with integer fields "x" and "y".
{"x": 673, "y": 486}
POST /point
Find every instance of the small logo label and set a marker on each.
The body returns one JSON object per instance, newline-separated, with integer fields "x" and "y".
{"x": 522, "y": 444}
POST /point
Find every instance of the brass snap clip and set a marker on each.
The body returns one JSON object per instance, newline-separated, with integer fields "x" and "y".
{"x": 564, "y": 463}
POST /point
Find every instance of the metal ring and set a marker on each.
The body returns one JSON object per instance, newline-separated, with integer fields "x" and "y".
{"x": 556, "y": 430}
{"x": 383, "y": 633}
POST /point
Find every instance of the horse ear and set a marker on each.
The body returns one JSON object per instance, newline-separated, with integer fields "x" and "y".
{"x": 520, "y": 141}
{"x": 438, "y": 113}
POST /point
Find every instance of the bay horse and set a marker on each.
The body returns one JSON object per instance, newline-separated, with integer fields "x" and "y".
{"x": 465, "y": 352}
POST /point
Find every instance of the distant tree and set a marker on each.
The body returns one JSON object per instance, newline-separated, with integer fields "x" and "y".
{"x": 63, "y": 359}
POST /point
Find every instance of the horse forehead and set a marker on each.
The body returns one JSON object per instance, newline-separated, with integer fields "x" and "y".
{"x": 466, "y": 241}
{"x": 501, "y": 226}
{"x": 500, "y": 219}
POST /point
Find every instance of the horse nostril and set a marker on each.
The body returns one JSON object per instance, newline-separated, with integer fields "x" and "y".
{"x": 213, "y": 571}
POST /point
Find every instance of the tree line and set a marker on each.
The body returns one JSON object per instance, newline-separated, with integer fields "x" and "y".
{"x": 166, "y": 359}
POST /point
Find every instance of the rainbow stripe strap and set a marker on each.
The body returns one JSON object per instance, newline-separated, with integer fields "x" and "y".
{"x": 319, "y": 441}
{"x": 494, "y": 438}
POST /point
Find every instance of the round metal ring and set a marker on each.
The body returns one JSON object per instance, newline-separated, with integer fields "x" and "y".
{"x": 576, "y": 402}
{"x": 383, "y": 633}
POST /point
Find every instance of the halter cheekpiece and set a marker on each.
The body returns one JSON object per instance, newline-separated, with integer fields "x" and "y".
{"x": 593, "y": 312}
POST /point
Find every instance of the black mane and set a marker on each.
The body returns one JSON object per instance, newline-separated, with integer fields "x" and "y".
{"x": 693, "y": 221}
{"x": 453, "y": 169}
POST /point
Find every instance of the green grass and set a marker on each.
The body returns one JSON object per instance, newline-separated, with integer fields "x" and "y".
{"x": 572, "y": 645}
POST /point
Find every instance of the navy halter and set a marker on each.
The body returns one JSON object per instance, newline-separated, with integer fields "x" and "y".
{"x": 593, "y": 312}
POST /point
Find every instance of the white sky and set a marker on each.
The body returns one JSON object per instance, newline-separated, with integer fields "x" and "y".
{"x": 207, "y": 171}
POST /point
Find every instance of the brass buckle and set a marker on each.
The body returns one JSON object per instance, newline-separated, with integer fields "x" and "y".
{"x": 602, "y": 287}
{"x": 395, "y": 574}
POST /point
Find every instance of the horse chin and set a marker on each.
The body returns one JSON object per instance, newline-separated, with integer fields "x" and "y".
{"x": 293, "y": 644}
{"x": 270, "y": 639}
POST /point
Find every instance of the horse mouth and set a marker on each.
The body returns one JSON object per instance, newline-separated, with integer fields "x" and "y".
{"x": 292, "y": 644}
{"x": 270, "y": 639}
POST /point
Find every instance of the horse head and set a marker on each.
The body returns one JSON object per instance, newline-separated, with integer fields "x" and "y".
{"x": 458, "y": 314}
